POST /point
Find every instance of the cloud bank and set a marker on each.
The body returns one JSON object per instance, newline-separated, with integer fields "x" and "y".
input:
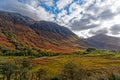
{"x": 28, "y": 8}
{"x": 84, "y": 17}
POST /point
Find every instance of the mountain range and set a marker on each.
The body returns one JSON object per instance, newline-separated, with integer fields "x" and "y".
{"x": 19, "y": 32}
{"x": 101, "y": 41}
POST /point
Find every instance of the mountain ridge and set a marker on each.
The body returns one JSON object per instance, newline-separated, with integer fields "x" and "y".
{"x": 37, "y": 34}
{"x": 101, "y": 41}
{"x": 48, "y": 35}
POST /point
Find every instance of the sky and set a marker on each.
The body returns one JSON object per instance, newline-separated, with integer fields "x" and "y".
{"x": 85, "y": 18}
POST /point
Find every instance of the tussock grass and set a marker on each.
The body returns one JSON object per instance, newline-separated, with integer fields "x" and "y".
{"x": 97, "y": 63}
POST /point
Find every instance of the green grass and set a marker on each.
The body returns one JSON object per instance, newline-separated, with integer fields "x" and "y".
{"x": 54, "y": 64}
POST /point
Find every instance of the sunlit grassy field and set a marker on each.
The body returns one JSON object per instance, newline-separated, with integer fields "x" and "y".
{"x": 103, "y": 61}
{"x": 54, "y": 64}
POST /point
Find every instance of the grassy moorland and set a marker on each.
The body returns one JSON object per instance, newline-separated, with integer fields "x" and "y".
{"x": 88, "y": 64}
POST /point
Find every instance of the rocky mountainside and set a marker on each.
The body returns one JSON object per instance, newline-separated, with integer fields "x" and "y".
{"x": 101, "y": 42}
{"x": 17, "y": 31}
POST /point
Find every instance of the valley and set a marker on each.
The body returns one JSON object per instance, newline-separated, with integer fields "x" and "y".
{"x": 43, "y": 50}
{"x": 95, "y": 65}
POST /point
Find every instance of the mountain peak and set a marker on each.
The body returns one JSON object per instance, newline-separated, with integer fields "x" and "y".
{"x": 15, "y": 17}
{"x": 35, "y": 34}
{"x": 102, "y": 41}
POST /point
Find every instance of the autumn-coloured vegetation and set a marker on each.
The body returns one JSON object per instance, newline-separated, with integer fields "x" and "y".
{"x": 18, "y": 32}
{"x": 33, "y": 50}
{"x": 90, "y": 64}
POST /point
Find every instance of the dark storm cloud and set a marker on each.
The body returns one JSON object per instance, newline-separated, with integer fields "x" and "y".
{"x": 101, "y": 31}
{"x": 84, "y": 23}
{"x": 115, "y": 29}
{"x": 101, "y": 16}
{"x": 106, "y": 14}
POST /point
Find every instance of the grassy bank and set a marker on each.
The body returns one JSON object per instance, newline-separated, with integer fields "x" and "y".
{"x": 97, "y": 64}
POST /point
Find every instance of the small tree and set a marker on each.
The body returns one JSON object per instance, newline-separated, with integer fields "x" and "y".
{"x": 81, "y": 73}
{"x": 24, "y": 70}
{"x": 40, "y": 74}
{"x": 69, "y": 71}
{"x": 7, "y": 69}
{"x": 89, "y": 50}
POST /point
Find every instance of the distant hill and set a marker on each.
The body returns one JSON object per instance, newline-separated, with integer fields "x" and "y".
{"x": 101, "y": 42}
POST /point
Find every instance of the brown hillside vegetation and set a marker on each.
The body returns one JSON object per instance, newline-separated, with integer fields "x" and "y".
{"x": 14, "y": 34}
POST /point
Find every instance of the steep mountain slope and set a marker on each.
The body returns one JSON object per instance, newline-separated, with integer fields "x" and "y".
{"x": 17, "y": 34}
{"x": 54, "y": 33}
{"x": 17, "y": 31}
{"x": 101, "y": 42}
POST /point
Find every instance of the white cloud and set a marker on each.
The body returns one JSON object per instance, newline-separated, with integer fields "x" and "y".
{"x": 105, "y": 14}
{"x": 88, "y": 19}
{"x": 30, "y": 9}
{"x": 33, "y": 3}
{"x": 49, "y": 3}
{"x": 74, "y": 14}
{"x": 61, "y": 4}
{"x": 83, "y": 33}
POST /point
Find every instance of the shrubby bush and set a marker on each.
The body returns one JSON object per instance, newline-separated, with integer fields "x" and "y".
{"x": 28, "y": 52}
{"x": 69, "y": 71}
{"x": 0, "y": 53}
{"x": 78, "y": 52}
{"x": 7, "y": 70}
{"x": 89, "y": 50}
{"x": 22, "y": 70}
